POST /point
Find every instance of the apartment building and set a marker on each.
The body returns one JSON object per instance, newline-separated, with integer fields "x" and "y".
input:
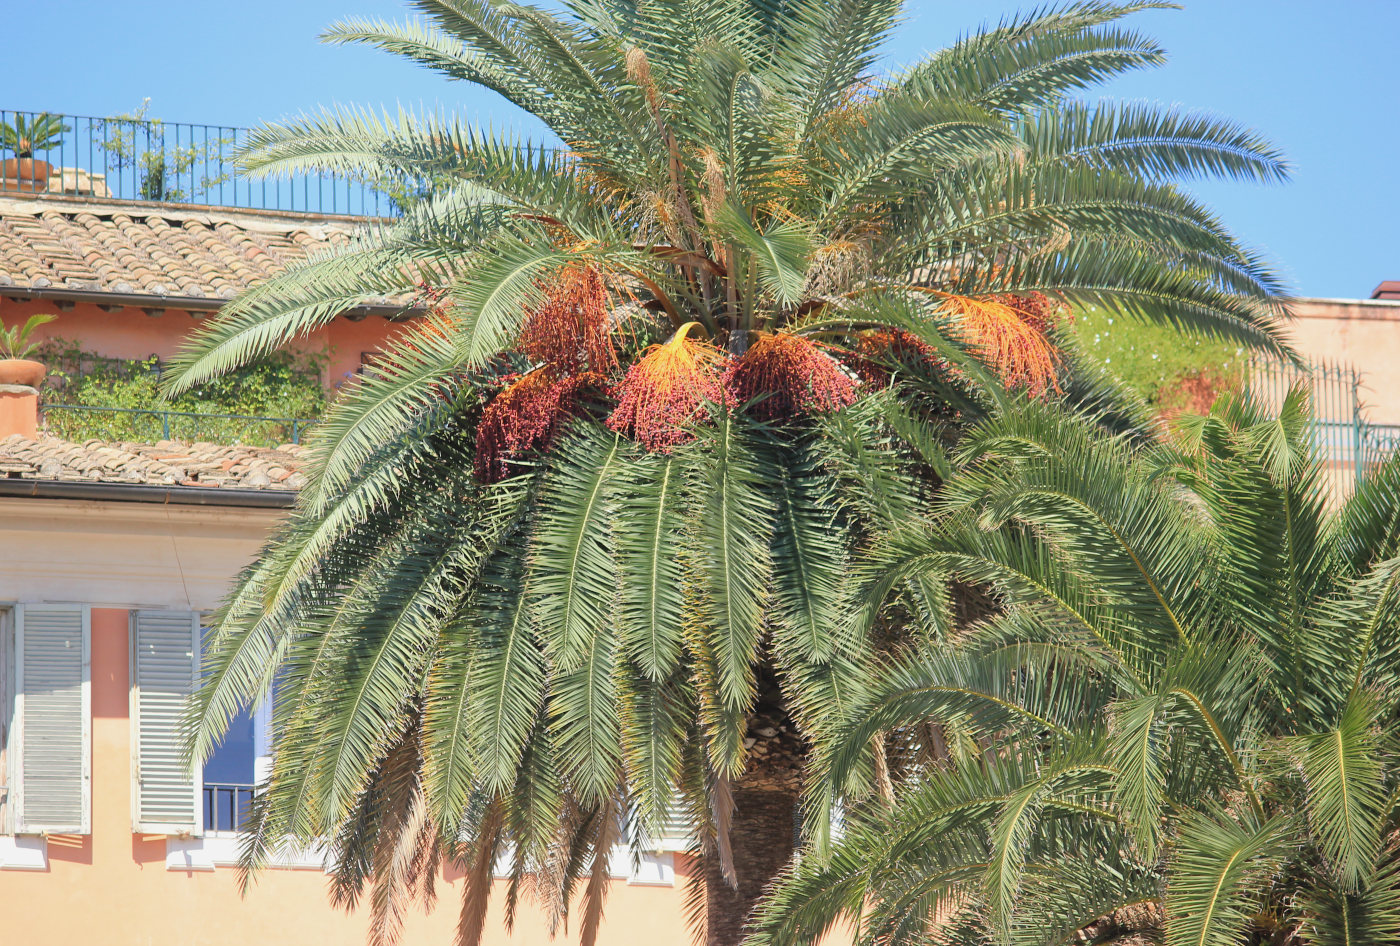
{"x": 116, "y": 549}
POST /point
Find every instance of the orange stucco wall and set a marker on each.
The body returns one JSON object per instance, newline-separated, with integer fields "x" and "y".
{"x": 113, "y": 888}
{"x": 130, "y": 333}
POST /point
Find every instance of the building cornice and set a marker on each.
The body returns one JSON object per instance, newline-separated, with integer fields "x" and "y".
{"x": 18, "y": 488}
{"x": 192, "y": 304}
{"x": 1377, "y": 310}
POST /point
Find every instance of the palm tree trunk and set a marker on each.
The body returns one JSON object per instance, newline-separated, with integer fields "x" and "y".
{"x": 762, "y": 834}
{"x": 763, "y": 829}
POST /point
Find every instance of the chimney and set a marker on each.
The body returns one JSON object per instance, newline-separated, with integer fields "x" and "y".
{"x": 19, "y": 410}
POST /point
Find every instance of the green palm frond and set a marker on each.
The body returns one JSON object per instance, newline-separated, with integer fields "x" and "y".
{"x": 655, "y": 716}
{"x": 416, "y": 383}
{"x": 1249, "y": 784}
{"x": 506, "y": 675}
{"x": 808, "y": 557}
{"x": 1039, "y": 57}
{"x": 780, "y": 254}
{"x": 732, "y": 565}
{"x": 649, "y": 522}
{"x": 505, "y": 75}
{"x": 1336, "y": 917}
{"x": 572, "y": 576}
{"x": 1344, "y": 771}
{"x": 1368, "y": 530}
{"x": 584, "y": 712}
{"x": 828, "y": 49}
{"x": 1155, "y": 144}
{"x": 1018, "y": 820}
{"x": 1219, "y": 864}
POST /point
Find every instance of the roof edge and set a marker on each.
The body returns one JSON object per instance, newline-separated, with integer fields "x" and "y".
{"x": 76, "y": 203}
{"x": 1383, "y": 303}
{"x": 186, "y": 303}
{"x": 145, "y": 493}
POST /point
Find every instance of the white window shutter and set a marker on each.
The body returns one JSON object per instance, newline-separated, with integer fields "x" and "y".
{"x": 7, "y": 718}
{"x": 675, "y": 834}
{"x": 165, "y": 667}
{"x": 52, "y": 761}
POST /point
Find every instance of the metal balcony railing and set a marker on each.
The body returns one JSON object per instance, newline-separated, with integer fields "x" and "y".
{"x": 226, "y": 806}
{"x": 83, "y": 422}
{"x": 1346, "y": 438}
{"x": 1378, "y": 443}
{"x": 131, "y": 157}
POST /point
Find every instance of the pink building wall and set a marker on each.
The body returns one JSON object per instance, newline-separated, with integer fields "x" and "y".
{"x": 130, "y": 333}
{"x": 113, "y": 887}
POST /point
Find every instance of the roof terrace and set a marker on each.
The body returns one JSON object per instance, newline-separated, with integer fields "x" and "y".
{"x": 142, "y": 160}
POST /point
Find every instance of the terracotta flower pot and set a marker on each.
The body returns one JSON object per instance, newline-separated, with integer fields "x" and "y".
{"x": 22, "y": 371}
{"x": 24, "y": 174}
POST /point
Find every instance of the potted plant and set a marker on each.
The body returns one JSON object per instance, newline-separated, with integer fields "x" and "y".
{"x": 24, "y": 136}
{"x": 15, "y": 349}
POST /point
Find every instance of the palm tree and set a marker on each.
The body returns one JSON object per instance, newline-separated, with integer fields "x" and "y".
{"x": 574, "y": 548}
{"x": 1179, "y": 720}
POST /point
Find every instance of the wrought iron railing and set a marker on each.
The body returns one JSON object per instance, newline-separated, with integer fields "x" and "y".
{"x": 83, "y": 422}
{"x": 1347, "y": 439}
{"x": 226, "y": 806}
{"x": 1379, "y": 441}
{"x": 131, "y": 157}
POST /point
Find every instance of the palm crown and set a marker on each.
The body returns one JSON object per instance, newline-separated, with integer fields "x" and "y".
{"x": 1178, "y": 719}
{"x": 591, "y": 515}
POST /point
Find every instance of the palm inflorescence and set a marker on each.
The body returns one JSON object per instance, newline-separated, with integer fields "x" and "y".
{"x": 682, "y": 356}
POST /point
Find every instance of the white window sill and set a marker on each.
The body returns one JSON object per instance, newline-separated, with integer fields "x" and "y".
{"x": 652, "y": 869}
{"x": 24, "y": 852}
{"x": 221, "y": 850}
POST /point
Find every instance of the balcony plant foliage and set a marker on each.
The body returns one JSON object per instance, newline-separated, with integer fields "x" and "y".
{"x": 166, "y": 169}
{"x": 580, "y": 537}
{"x": 17, "y": 341}
{"x": 27, "y": 134}
{"x": 284, "y": 384}
{"x": 1180, "y": 724}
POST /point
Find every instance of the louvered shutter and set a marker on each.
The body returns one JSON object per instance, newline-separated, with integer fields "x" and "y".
{"x": 53, "y": 779}
{"x": 7, "y": 718}
{"x": 165, "y": 666}
{"x": 675, "y": 834}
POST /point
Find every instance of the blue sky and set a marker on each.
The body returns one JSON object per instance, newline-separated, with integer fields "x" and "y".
{"x": 1318, "y": 77}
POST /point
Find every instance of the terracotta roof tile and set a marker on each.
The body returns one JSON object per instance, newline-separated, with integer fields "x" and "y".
{"x": 165, "y": 463}
{"x": 154, "y": 249}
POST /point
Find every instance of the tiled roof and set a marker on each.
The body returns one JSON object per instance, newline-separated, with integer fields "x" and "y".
{"x": 165, "y": 463}
{"x": 156, "y": 250}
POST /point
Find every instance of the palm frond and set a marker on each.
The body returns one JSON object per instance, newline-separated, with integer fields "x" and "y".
{"x": 572, "y": 573}
{"x": 1219, "y": 866}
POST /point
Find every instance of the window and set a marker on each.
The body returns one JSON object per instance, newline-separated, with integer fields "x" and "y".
{"x": 172, "y": 798}
{"x": 229, "y": 776}
{"x": 233, "y": 769}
